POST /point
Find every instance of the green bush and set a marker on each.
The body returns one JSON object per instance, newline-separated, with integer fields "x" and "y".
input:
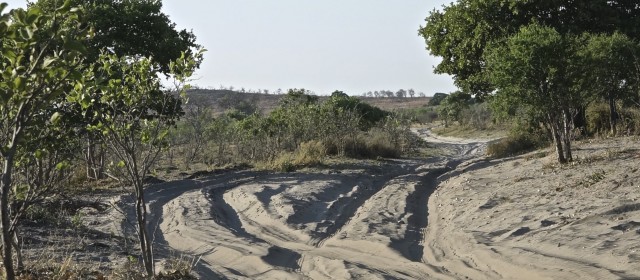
{"x": 598, "y": 118}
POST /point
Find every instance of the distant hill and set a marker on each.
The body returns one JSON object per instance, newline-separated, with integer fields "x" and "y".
{"x": 221, "y": 100}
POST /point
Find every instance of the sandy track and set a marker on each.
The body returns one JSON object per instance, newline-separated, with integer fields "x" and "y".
{"x": 366, "y": 220}
{"x": 363, "y": 221}
{"x": 459, "y": 216}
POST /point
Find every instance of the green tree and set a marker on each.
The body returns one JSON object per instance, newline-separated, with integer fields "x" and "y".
{"x": 132, "y": 28}
{"x": 125, "y": 28}
{"x": 136, "y": 115}
{"x": 41, "y": 53}
{"x": 452, "y": 105}
{"x": 609, "y": 70}
{"x": 535, "y": 70}
{"x": 437, "y": 98}
{"x": 461, "y": 31}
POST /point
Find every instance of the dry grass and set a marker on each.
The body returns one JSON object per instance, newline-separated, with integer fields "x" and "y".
{"x": 460, "y": 131}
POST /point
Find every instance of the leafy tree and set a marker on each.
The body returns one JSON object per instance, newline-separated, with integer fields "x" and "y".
{"x": 437, "y": 98}
{"x": 41, "y": 53}
{"x": 610, "y": 71}
{"x": 134, "y": 121}
{"x": 535, "y": 70}
{"x": 126, "y": 28}
{"x": 411, "y": 92}
{"x": 452, "y": 105}
{"x": 461, "y": 32}
{"x": 368, "y": 115}
{"x": 134, "y": 28}
{"x": 296, "y": 96}
{"x": 401, "y": 93}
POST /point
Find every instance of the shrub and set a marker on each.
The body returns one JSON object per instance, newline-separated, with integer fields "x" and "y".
{"x": 477, "y": 116}
{"x": 598, "y": 115}
{"x": 516, "y": 143}
{"x": 630, "y": 120}
{"x": 598, "y": 118}
{"x": 309, "y": 153}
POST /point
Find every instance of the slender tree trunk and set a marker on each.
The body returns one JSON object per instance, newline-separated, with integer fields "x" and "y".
{"x": 566, "y": 137}
{"x": 613, "y": 115}
{"x": 143, "y": 234}
{"x": 555, "y": 127}
{"x": 95, "y": 159}
{"x": 90, "y": 159}
{"x": 5, "y": 217}
{"x": 18, "y": 246}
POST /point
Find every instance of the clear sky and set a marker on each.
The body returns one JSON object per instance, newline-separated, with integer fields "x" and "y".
{"x": 349, "y": 45}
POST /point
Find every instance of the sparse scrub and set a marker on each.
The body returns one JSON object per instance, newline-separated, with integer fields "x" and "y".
{"x": 516, "y": 143}
{"x": 302, "y": 130}
{"x": 477, "y": 116}
{"x": 422, "y": 115}
{"x": 599, "y": 119}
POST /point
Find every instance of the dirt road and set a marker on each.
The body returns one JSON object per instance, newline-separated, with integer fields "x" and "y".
{"x": 361, "y": 221}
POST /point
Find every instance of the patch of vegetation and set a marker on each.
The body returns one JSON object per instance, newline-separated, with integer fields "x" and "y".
{"x": 298, "y": 133}
{"x": 515, "y": 144}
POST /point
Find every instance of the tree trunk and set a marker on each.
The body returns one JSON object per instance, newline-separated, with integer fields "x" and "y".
{"x": 18, "y": 246}
{"x": 566, "y": 135}
{"x": 95, "y": 160}
{"x": 613, "y": 115}
{"x": 143, "y": 234}
{"x": 555, "y": 127}
{"x": 5, "y": 217}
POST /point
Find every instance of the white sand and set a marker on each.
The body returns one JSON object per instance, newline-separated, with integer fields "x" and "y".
{"x": 454, "y": 217}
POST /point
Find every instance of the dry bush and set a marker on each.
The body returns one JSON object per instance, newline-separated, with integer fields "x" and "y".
{"x": 477, "y": 116}
{"x": 598, "y": 115}
{"x": 515, "y": 144}
{"x": 176, "y": 269}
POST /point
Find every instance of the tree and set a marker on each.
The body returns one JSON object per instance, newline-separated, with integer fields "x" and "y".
{"x": 126, "y": 28}
{"x": 535, "y": 70}
{"x": 42, "y": 54}
{"x": 411, "y": 92}
{"x": 437, "y": 98}
{"x": 461, "y": 32}
{"x": 452, "y": 105}
{"x": 401, "y": 93}
{"x": 388, "y": 93}
{"x": 132, "y": 28}
{"x": 610, "y": 73}
{"x": 134, "y": 121}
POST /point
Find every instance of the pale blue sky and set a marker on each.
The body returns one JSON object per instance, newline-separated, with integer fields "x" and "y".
{"x": 349, "y": 45}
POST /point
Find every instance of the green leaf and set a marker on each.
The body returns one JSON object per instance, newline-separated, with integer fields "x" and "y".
{"x": 65, "y": 6}
{"x": 33, "y": 14}
{"x": 48, "y": 61}
{"x": 19, "y": 83}
{"x": 76, "y": 46}
{"x": 26, "y": 33}
{"x": 9, "y": 54}
{"x": 56, "y": 118}
{"x": 63, "y": 165}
